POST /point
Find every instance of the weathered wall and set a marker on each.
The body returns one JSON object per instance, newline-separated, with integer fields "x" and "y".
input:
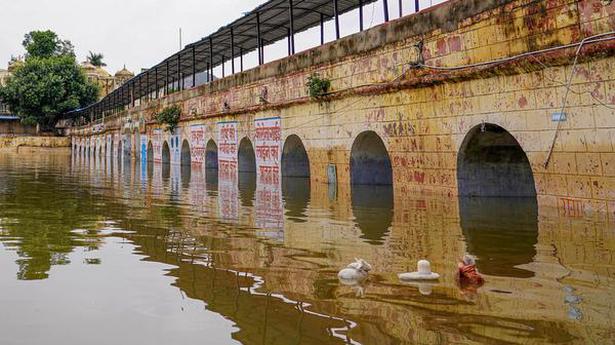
{"x": 12, "y": 143}
{"x": 423, "y": 115}
{"x": 12, "y": 127}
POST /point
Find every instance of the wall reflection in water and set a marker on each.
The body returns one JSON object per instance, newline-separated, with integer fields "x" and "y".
{"x": 501, "y": 232}
{"x": 266, "y": 258}
{"x": 296, "y": 195}
{"x": 372, "y": 207}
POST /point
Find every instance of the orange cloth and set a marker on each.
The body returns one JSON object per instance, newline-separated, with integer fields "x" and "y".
{"x": 469, "y": 275}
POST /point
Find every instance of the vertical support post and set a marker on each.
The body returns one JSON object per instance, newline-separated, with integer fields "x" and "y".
{"x": 148, "y": 94}
{"x": 322, "y": 29}
{"x": 360, "y": 15}
{"x": 193, "y": 66}
{"x": 385, "y": 7}
{"x": 132, "y": 94}
{"x": 223, "y": 73}
{"x": 180, "y": 79}
{"x": 166, "y": 81}
{"x": 232, "y": 51}
{"x": 211, "y": 59}
{"x": 288, "y": 37}
{"x": 259, "y": 42}
{"x": 336, "y": 14}
{"x": 209, "y": 78}
{"x": 291, "y": 36}
{"x": 156, "y": 81}
{"x": 401, "y": 10}
{"x": 241, "y": 58}
{"x": 416, "y": 5}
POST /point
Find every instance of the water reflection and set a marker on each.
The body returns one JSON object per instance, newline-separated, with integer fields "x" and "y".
{"x": 372, "y": 207}
{"x": 182, "y": 260}
{"x": 296, "y": 194}
{"x": 502, "y": 233}
{"x": 247, "y": 188}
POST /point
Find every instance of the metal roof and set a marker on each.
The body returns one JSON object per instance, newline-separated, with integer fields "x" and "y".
{"x": 9, "y": 117}
{"x": 273, "y": 19}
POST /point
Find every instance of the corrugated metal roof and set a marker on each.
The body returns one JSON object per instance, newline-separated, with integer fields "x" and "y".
{"x": 274, "y": 19}
{"x": 9, "y": 117}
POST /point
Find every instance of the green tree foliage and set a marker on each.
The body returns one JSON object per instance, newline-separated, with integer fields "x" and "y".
{"x": 49, "y": 83}
{"x": 169, "y": 116}
{"x": 45, "y": 44}
{"x": 317, "y": 87}
{"x": 96, "y": 59}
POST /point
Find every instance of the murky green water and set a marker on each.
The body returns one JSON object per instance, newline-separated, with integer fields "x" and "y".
{"x": 104, "y": 252}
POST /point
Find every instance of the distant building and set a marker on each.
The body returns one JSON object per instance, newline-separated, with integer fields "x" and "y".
{"x": 4, "y": 74}
{"x": 104, "y": 79}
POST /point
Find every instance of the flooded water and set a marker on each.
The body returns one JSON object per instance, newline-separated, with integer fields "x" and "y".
{"x": 98, "y": 251}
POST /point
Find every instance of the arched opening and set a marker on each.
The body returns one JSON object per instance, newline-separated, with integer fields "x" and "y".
{"x": 211, "y": 164}
{"x": 166, "y": 160}
{"x": 498, "y": 206}
{"x": 127, "y": 144}
{"x": 111, "y": 149}
{"x": 186, "y": 161}
{"x": 369, "y": 161}
{"x": 150, "y": 152}
{"x": 186, "y": 158}
{"x": 246, "y": 157}
{"x": 491, "y": 163}
{"x": 150, "y": 159}
{"x": 166, "y": 154}
{"x": 295, "y": 161}
{"x": 211, "y": 155}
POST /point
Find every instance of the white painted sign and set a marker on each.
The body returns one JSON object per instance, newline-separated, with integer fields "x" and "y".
{"x": 197, "y": 144}
{"x": 227, "y": 150}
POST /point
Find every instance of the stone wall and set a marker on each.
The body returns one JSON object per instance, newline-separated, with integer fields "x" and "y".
{"x": 424, "y": 115}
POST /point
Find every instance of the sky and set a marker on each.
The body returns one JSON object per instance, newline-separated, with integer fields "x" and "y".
{"x": 141, "y": 33}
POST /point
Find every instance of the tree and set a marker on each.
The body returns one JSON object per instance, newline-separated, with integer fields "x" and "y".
{"x": 96, "y": 59}
{"x": 49, "y": 83}
{"x": 45, "y": 44}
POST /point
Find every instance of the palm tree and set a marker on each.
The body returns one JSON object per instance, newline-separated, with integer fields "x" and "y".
{"x": 96, "y": 59}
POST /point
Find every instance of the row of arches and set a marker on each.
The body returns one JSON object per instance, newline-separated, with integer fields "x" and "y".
{"x": 490, "y": 162}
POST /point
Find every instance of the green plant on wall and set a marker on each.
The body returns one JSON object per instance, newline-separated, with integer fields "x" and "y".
{"x": 170, "y": 117}
{"x": 317, "y": 86}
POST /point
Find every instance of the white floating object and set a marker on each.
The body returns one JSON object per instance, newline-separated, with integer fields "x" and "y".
{"x": 423, "y": 272}
{"x": 354, "y": 272}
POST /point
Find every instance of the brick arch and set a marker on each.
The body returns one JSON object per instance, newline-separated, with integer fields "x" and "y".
{"x": 492, "y": 163}
{"x": 370, "y": 161}
{"x": 295, "y": 158}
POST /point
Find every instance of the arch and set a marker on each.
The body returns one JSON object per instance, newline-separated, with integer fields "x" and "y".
{"x": 246, "y": 157}
{"x": 370, "y": 163}
{"x": 186, "y": 157}
{"x": 127, "y": 143}
{"x": 491, "y": 163}
{"x": 211, "y": 155}
{"x": 150, "y": 152}
{"x": 295, "y": 161}
{"x": 166, "y": 153}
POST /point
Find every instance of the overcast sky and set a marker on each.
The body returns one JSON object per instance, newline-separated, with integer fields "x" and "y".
{"x": 141, "y": 33}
